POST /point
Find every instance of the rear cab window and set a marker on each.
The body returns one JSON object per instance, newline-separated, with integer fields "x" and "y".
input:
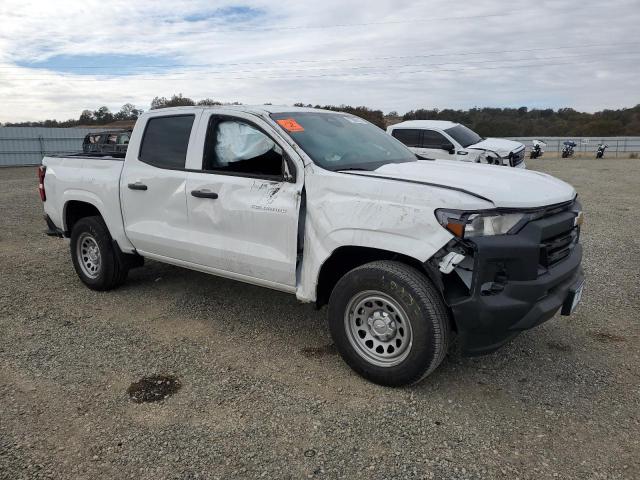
{"x": 165, "y": 141}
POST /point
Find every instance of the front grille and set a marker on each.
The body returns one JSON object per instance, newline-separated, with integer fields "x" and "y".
{"x": 517, "y": 158}
{"x": 554, "y": 250}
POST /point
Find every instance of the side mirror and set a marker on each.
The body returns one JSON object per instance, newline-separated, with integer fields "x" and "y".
{"x": 448, "y": 146}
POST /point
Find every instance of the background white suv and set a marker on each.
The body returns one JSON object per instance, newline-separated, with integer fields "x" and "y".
{"x": 453, "y": 141}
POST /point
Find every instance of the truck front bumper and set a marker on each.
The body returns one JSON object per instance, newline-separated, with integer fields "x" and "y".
{"x": 514, "y": 285}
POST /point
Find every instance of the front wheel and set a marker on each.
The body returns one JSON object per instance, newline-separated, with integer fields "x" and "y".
{"x": 389, "y": 323}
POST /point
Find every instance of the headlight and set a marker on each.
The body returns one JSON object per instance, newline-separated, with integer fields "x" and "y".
{"x": 477, "y": 224}
{"x": 492, "y": 158}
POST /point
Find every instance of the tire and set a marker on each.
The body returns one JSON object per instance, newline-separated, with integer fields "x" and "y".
{"x": 94, "y": 257}
{"x": 414, "y": 334}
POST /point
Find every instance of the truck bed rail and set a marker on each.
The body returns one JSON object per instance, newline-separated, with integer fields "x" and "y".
{"x": 95, "y": 156}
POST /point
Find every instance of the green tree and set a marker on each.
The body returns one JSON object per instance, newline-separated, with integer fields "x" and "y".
{"x": 208, "y": 102}
{"x": 128, "y": 112}
{"x": 103, "y": 115}
{"x": 87, "y": 118}
{"x": 175, "y": 101}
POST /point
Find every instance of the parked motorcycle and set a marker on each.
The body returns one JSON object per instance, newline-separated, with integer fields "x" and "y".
{"x": 536, "y": 150}
{"x": 567, "y": 149}
{"x": 601, "y": 148}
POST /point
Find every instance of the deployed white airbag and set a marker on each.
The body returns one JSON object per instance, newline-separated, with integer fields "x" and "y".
{"x": 238, "y": 141}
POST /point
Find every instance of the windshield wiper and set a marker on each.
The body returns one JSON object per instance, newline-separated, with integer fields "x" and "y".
{"x": 351, "y": 169}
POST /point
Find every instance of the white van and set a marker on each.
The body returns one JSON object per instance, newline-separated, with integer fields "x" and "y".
{"x": 445, "y": 140}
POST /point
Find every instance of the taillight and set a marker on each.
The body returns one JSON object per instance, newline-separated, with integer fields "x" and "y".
{"x": 42, "y": 170}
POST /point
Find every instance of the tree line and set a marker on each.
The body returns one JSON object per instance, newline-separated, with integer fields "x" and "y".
{"x": 522, "y": 122}
{"x": 100, "y": 116}
{"x": 496, "y": 122}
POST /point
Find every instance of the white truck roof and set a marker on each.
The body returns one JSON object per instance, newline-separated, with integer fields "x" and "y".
{"x": 259, "y": 109}
{"x": 432, "y": 124}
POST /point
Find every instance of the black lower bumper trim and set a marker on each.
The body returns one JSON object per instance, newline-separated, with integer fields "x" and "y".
{"x": 510, "y": 291}
{"x": 487, "y": 322}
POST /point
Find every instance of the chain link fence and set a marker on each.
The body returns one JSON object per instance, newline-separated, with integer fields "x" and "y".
{"x": 27, "y": 145}
{"x": 622, "y": 147}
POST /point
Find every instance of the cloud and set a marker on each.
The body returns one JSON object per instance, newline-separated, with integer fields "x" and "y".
{"x": 58, "y": 58}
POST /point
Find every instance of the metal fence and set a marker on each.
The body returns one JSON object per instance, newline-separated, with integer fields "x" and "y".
{"x": 27, "y": 145}
{"x": 618, "y": 146}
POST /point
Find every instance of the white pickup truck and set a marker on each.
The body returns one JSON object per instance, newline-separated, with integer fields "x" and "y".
{"x": 408, "y": 254}
{"x": 453, "y": 141}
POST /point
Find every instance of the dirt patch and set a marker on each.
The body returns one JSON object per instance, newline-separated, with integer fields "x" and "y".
{"x": 154, "y": 388}
{"x": 606, "y": 337}
{"x": 316, "y": 352}
{"x": 560, "y": 347}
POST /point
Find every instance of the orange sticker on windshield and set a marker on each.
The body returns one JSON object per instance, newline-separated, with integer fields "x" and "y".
{"x": 290, "y": 125}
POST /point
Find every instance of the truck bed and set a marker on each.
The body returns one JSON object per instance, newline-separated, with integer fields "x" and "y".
{"x": 94, "y": 178}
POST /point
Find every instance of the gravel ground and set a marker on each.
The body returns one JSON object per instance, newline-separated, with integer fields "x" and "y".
{"x": 263, "y": 393}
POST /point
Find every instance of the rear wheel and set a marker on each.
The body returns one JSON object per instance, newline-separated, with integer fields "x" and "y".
{"x": 389, "y": 323}
{"x": 94, "y": 257}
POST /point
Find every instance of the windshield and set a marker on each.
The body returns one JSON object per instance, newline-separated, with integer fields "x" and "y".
{"x": 339, "y": 141}
{"x": 463, "y": 135}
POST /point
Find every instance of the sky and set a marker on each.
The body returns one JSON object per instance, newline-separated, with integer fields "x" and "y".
{"x": 58, "y": 58}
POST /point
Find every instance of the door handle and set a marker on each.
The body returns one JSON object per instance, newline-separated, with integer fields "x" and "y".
{"x": 137, "y": 186}
{"x": 204, "y": 194}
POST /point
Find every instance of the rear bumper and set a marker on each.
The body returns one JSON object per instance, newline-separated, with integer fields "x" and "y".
{"x": 510, "y": 290}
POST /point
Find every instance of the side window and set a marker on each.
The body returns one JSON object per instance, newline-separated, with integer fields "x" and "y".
{"x": 111, "y": 139}
{"x": 123, "y": 139}
{"x": 433, "y": 139}
{"x": 237, "y": 147}
{"x": 165, "y": 141}
{"x": 409, "y": 136}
